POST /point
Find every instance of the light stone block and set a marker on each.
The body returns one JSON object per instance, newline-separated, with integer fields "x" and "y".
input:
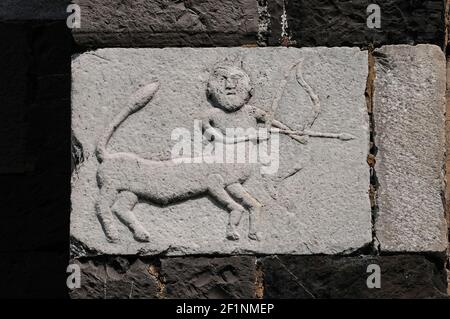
{"x": 409, "y": 114}
{"x": 129, "y": 195}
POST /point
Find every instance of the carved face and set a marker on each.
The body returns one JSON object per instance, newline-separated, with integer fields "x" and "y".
{"x": 229, "y": 88}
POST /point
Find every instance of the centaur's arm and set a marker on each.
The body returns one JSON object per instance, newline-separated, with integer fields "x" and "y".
{"x": 299, "y": 136}
{"x": 277, "y": 126}
{"x": 213, "y": 134}
{"x": 263, "y": 116}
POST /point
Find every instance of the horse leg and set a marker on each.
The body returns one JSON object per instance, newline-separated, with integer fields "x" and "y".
{"x": 103, "y": 207}
{"x": 123, "y": 208}
{"x": 216, "y": 189}
{"x": 254, "y": 206}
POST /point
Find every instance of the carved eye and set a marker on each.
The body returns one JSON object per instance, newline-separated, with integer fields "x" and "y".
{"x": 211, "y": 122}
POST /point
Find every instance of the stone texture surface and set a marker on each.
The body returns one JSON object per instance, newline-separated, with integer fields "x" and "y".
{"x": 404, "y": 276}
{"x": 115, "y": 278}
{"x": 297, "y": 277}
{"x": 448, "y": 279}
{"x": 409, "y": 113}
{"x": 447, "y": 163}
{"x": 13, "y": 10}
{"x": 34, "y": 128}
{"x": 343, "y": 23}
{"x": 167, "y": 23}
{"x": 211, "y": 278}
{"x": 447, "y": 170}
{"x": 316, "y": 202}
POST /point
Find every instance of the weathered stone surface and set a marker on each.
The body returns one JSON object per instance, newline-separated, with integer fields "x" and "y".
{"x": 212, "y": 278}
{"x": 448, "y": 280}
{"x": 13, "y": 10}
{"x": 314, "y": 195}
{"x": 447, "y": 163}
{"x": 409, "y": 113}
{"x": 344, "y": 22}
{"x": 115, "y": 278}
{"x": 345, "y": 277}
{"x": 167, "y": 23}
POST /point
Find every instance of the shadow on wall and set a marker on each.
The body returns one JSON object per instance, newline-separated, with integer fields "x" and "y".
{"x": 34, "y": 162}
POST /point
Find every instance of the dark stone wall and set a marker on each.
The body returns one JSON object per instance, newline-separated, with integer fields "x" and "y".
{"x": 117, "y": 278}
{"x": 33, "y": 10}
{"x": 35, "y": 166}
{"x": 177, "y": 278}
{"x": 140, "y": 23}
{"x": 279, "y": 277}
{"x": 402, "y": 276}
{"x": 209, "y": 277}
{"x": 344, "y": 22}
{"x": 159, "y": 23}
{"x": 35, "y": 158}
{"x": 15, "y": 64}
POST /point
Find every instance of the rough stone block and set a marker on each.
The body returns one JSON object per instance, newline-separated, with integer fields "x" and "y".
{"x": 13, "y": 10}
{"x": 162, "y": 23}
{"x": 447, "y": 164}
{"x": 211, "y": 278}
{"x": 115, "y": 278}
{"x": 344, "y": 22}
{"x": 301, "y": 191}
{"x": 409, "y": 114}
{"x": 346, "y": 277}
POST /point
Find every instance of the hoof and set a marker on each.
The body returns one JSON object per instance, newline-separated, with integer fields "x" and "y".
{"x": 233, "y": 236}
{"x": 113, "y": 237}
{"x": 113, "y": 240}
{"x": 142, "y": 235}
{"x": 254, "y": 236}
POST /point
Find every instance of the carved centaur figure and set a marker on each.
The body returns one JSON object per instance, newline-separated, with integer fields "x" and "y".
{"x": 124, "y": 178}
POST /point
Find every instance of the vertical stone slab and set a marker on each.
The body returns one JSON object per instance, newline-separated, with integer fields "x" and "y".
{"x": 160, "y": 23}
{"x": 129, "y": 107}
{"x": 409, "y": 113}
{"x": 447, "y": 163}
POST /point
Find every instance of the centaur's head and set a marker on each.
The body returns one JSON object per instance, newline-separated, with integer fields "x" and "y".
{"x": 229, "y": 87}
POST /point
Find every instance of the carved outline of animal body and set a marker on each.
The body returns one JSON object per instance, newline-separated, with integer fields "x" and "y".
{"x": 134, "y": 177}
{"x": 123, "y": 178}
